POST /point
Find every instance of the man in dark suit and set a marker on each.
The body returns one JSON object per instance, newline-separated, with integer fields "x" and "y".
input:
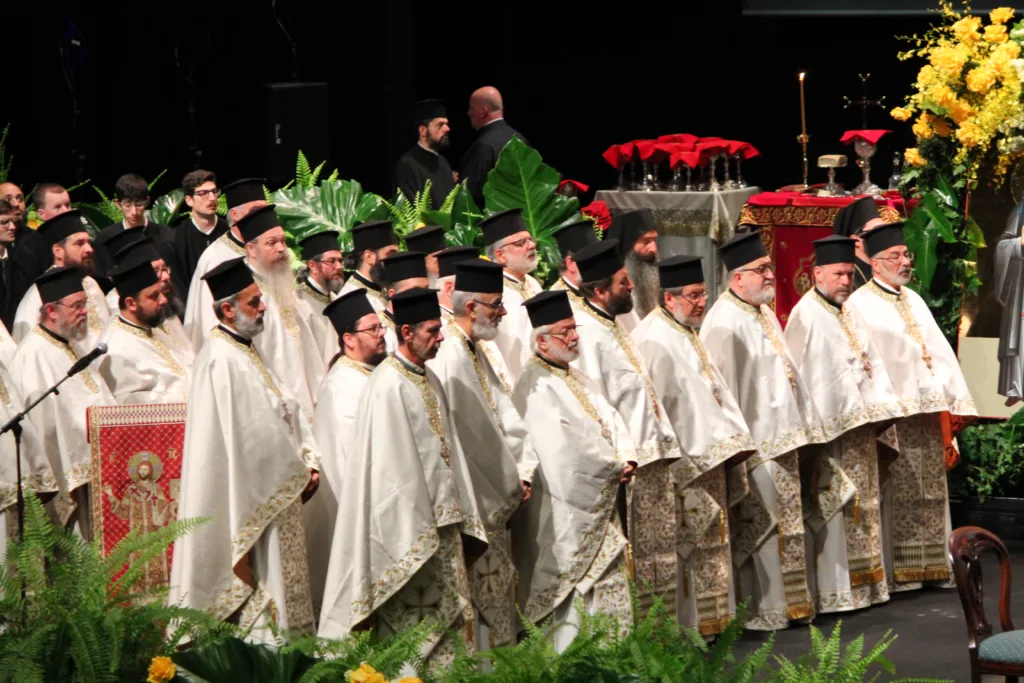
{"x": 486, "y": 115}
{"x": 31, "y": 252}
{"x": 13, "y": 281}
{"x": 131, "y": 194}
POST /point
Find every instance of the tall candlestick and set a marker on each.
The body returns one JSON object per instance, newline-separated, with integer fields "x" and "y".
{"x": 803, "y": 111}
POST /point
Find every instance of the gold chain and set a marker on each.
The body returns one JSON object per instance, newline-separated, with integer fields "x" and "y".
{"x": 430, "y": 403}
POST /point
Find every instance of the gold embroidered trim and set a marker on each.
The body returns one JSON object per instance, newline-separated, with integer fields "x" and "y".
{"x": 86, "y": 376}
{"x": 254, "y": 357}
{"x": 843, "y": 316}
{"x": 516, "y": 286}
{"x": 93, "y": 314}
{"x": 356, "y": 282}
{"x": 706, "y": 370}
{"x": 264, "y": 514}
{"x": 232, "y": 245}
{"x": 457, "y": 332}
{"x": 348, "y": 362}
{"x": 769, "y": 332}
{"x": 573, "y": 383}
{"x": 903, "y": 308}
{"x": 487, "y": 349}
{"x": 312, "y": 291}
{"x": 627, "y": 346}
{"x": 430, "y": 403}
{"x": 158, "y": 345}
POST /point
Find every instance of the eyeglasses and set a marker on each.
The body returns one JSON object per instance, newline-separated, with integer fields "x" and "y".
{"x": 495, "y": 306}
{"x": 521, "y": 243}
{"x": 760, "y": 270}
{"x": 80, "y": 306}
{"x": 564, "y": 336}
{"x": 695, "y": 297}
{"x": 163, "y": 270}
{"x": 6, "y": 220}
{"x": 126, "y": 204}
{"x": 373, "y": 330}
{"x": 206, "y": 193}
{"x": 896, "y": 258}
{"x": 332, "y": 262}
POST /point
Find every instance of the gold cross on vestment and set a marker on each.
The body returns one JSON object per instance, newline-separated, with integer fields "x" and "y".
{"x": 423, "y": 609}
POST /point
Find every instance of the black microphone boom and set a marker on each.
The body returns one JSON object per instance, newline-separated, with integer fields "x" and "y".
{"x": 86, "y": 360}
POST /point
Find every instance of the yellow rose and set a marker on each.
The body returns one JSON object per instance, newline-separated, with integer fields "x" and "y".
{"x": 366, "y": 674}
{"x": 922, "y": 130}
{"x": 411, "y": 680}
{"x": 969, "y": 134}
{"x": 942, "y": 96}
{"x": 914, "y": 157}
{"x": 161, "y": 670}
{"x": 960, "y": 112}
{"x": 927, "y": 75}
{"x": 1008, "y": 50}
{"x": 1001, "y": 15}
{"x": 980, "y": 80}
{"x": 949, "y": 61}
{"x": 967, "y": 29}
{"x": 941, "y": 127}
{"x": 995, "y": 34}
{"x": 901, "y": 113}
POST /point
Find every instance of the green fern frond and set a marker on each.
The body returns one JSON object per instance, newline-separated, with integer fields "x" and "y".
{"x": 155, "y": 180}
{"x": 222, "y": 205}
{"x": 5, "y": 161}
{"x": 316, "y": 173}
{"x": 334, "y": 176}
{"x": 423, "y": 199}
{"x": 449, "y": 202}
{"x": 303, "y": 173}
{"x": 144, "y": 547}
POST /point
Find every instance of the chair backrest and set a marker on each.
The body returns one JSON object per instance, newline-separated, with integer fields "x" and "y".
{"x": 966, "y": 546}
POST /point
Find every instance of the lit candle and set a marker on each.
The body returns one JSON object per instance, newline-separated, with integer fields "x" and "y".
{"x": 803, "y": 111}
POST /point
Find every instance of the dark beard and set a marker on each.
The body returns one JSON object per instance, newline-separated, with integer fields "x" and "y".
{"x": 646, "y": 283}
{"x": 175, "y": 306}
{"x": 154, "y": 320}
{"x": 438, "y": 145}
{"x": 377, "y": 273}
{"x": 617, "y": 307}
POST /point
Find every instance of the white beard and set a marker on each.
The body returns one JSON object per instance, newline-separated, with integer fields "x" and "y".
{"x": 564, "y": 356}
{"x": 646, "y": 283}
{"x": 246, "y": 326}
{"x": 484, "y": 330}
{"x": 522, "y": 265}
{"x": 762, "y": 297}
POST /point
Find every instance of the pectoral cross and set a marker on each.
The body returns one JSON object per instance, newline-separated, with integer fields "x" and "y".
{"x": 864, "y": 102}
{"x": 490, "y": 577}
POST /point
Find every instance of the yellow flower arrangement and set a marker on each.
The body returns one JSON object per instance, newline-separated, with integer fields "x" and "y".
{"x": 968, "y": 92}
{"x": 161, "y": 670}
{"x": 914, "y": 157}
{"x": 365, "y": 674}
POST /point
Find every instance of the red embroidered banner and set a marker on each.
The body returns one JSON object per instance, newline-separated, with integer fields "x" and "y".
{"x": 136, "y": 474}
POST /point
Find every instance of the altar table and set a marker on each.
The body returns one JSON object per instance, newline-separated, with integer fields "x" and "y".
{"x": 789, "y": 223}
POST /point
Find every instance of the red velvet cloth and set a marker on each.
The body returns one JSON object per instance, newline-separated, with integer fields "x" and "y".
{"x": 872, "y": 136}
{"x": 690, "y": 158}
{"x": 599, "y": 212}
{"x": 613, "y": 155}
{"x": 684, "y": 138}
{"x": 575, "y": 183}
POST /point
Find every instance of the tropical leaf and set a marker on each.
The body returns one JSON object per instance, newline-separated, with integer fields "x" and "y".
{"x": 461, "y": 221}
{"x": 167, "y": 209}
{"x": 155, "y": 180}
{"x": 521, "y": 180}
{"x": 5, "y": 161}
{"x": 928, "y": 225}
{"x": 333, "y": 205}
{"x": 233, "y": 659}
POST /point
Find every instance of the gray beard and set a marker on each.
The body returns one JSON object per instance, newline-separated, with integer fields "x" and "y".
{"x": 246, "y": 326}
{"x": 484, "y": 330}
{"x": 646, "y": 284}
{"x": 75, "y": 333}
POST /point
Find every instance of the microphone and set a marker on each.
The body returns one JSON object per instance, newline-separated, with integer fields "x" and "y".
{"x": 84, "y": 362}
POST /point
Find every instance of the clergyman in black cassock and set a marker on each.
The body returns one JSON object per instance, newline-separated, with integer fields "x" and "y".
{"x": 487, "y": 116}
{"x": 424, "y": 160}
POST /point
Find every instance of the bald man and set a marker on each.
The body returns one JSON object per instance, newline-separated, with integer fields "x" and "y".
{"x": 486, "y": 115}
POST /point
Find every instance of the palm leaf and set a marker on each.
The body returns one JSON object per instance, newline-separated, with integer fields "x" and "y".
{"x": 521, "y": 180}
{"x": 167, "y": 209}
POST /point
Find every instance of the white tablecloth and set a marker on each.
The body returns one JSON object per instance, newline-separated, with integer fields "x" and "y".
{"x": 691, "y": 223}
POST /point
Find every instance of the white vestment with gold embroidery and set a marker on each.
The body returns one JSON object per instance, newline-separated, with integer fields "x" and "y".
{"x": 27, "y": 316}
{"x": 140, "y": 367}
{"x": 833, "y": 352}
{"x": 36, "y": 472}
{"x": 608, "y": 357}
{"x": 336, "y": 405}
{"x": 199, "y": 315}
{"x": 247, "y": 455}
{"x": 312, "y": 302}
{"x": 746, "y": 344}
{"x": 7, "y": 346}
{"x": 289, "y": 347}
{"x": 928, "y": 381}
{"x": 567, "y": 540}
{"x": 710, "y": 429}
{"x": 41, "y": 361}
{"x": 499, "y": 456}
{"x": 407, "y": 512}
{"x": 514, "y": 331}
{"x": 170, "y": 331}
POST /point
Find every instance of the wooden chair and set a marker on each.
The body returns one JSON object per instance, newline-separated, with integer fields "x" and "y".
{"x": 1001, "y": 654}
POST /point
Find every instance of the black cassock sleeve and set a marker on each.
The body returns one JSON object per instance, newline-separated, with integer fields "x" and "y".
{"x": 409, "y": 178}
{"x": 476, "y": 164}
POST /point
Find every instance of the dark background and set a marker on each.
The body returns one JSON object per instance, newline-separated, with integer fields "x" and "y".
{"x": 575, "y": 79}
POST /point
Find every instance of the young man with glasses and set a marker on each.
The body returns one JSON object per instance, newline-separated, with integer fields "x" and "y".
{"x": 930, "y": 387}
{"x": 744, "y": 340}
{"x": 710, "y": 428}
{"x": 493, "y": 439}
{"x": 319, "y": 286}
{"x": 609, "y": 359}
{"x": 131, "y": 196}
{"x": 508, "y": 242}
{"x": 360, "y": 336}
{"x": 572, "y": 546}
{"x": 204, "y": 226}
{"x": 14, "y": 281}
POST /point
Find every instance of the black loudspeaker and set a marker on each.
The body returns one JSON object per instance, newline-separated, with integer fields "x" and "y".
{"x": 296, "y": 117}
